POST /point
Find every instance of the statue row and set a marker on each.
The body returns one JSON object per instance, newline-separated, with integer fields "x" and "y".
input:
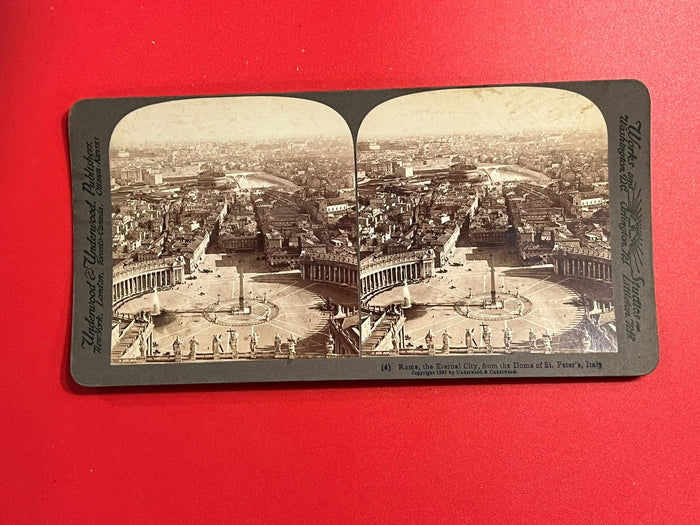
{"x": 487, "y": 340}
{"x": 232, "y": 346}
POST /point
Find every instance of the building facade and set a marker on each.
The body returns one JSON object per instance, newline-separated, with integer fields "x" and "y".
{"x": 329, "y": 267}
{"x": 382, "y": 273}
{"x": 130, "y": 280}
{"x": 582, "y": 262}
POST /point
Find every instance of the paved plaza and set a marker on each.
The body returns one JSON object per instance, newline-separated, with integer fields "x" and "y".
{"x": 281, "y": 303}
{"x": 533, "y": 298}
{"x": 455, "y": 301}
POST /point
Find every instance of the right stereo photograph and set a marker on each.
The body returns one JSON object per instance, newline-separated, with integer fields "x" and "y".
{"x": 484, "y": 224}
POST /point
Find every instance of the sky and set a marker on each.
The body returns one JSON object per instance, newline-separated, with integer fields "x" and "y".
{"x": 461, "y": 111}
{"x": 248, "y": 118}
{"x": 465, "y": 111}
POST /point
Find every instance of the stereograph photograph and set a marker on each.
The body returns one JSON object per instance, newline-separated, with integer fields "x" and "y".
{"x": 234, "y": 232}
{"x": 485, "y": 224}
{"x": 358, "y": 235}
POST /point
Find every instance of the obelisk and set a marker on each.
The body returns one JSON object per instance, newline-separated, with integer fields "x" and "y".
{"x": 493, "y": 282}
{"x": 241, "y": 300}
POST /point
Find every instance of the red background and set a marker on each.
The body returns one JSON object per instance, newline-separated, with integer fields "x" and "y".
{"x": 622, "y": 451}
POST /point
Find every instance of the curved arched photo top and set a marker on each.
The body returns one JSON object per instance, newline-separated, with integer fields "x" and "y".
{"x": 276, "y": 138}
{"x": 508, "y": 110}
{"x": 485, "y": 223}
{"x": 229, "y": 119}
{"x": 233, "y": 220}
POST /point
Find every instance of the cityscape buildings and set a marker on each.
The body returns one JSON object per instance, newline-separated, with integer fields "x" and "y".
{"x": 230, "y": 243}
{"x": 484, "y": 224}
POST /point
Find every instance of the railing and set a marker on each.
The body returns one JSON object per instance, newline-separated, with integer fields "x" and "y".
{"x": 601, "y": 253}
{"x": 391, "y": 260}
{"x": 330, "y": 257}
{"x": 137, "y": 268}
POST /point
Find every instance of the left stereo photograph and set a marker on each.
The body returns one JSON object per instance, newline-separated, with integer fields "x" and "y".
{"x": 221, "y": 208}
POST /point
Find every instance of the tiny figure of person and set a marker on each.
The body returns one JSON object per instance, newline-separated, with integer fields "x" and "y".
{"x": 487, "y": 339}
{"x": 292, "y": 346}
{"x": 142, "y": 343}
{"x": 469, "y": 340}
{"x": 177, "y": 348}
{"x": 254, "y": 338}
{"x": 547, "y": 341}
{"x": 193, "y": 347}
{"x": 446, "y": 342}
{"x": 430, "y": 342}
{"x": 532, "y": 340}
{"x": 233, "y": 343}
{"x": 507, "y": 339}
{"x": 216, "y": 345}
{"x": 278, "y": 344}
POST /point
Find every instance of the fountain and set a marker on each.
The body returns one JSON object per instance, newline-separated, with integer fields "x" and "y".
{"x": 156, "y": 302}
{"x": 406, "y": 296}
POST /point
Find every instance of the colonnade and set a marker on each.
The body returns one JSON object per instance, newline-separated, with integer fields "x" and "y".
{"x": 583, "y": 266}
{"x": 136, "y": 278}
{"x": 327, "y": 271}
{"x": 392, "y": 270}
{"x": 334, "y": 269}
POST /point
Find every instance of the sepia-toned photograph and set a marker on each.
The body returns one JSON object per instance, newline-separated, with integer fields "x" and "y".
{"x": 484, "y": 224}
{"x": 234, "y": 232}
